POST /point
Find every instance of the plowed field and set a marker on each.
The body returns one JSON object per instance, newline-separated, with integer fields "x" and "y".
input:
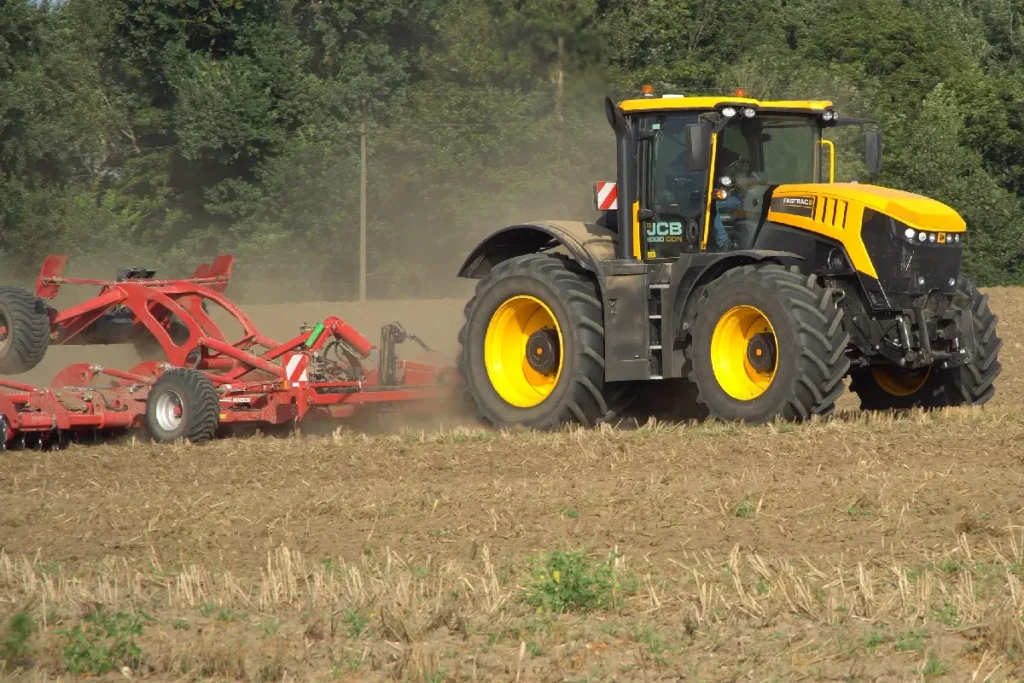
{"x": 858, "y": 549}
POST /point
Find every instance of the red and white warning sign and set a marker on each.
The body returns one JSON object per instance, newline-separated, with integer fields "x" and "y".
{"x": 606, "y": 196}
{"x": 295, "y": 366}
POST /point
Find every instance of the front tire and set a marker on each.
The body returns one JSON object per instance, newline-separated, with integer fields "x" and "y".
{"x": 767, "y": 343}
{"x": 182, "y": 405}
{"x": 532, "y": 346}
{"x": 972, "y": 384}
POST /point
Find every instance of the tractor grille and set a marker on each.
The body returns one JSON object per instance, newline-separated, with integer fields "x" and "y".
{"x": 905, "y": 267}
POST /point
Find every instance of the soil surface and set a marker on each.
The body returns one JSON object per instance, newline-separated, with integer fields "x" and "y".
{"x": 889, "y": 497}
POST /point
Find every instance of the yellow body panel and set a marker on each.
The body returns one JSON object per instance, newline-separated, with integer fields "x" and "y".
{"x": 636, "y": 230}
{"x": 917, "y": 211}
{"x": 711, "y": 189}
{"x": 669, "y": 103}
{"x": 831, "y": 159}
{"x": 839, "y": 213}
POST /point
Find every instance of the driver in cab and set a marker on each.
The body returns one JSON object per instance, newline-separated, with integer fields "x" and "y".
{"x": 739, "y": 174}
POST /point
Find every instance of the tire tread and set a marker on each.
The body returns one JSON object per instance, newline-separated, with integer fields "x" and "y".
{"x": 817, "y": 322}
{"x": 29, "y": 330}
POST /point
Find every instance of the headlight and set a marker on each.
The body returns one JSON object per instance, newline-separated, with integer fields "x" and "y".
{"x": 729, "y": 112}
{"x": 922, "y": 236}
{"x": 931, "y": 237}
{"x": 909, "y": 233}
{"x": 748, "y": 112}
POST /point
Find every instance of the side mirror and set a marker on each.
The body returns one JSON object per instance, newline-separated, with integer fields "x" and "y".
{"x": 873, "y": 151}
{"x": 615, "y": 118}
{"x": 698, "y": 143}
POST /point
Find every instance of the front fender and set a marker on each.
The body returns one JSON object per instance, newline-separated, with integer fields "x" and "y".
{"x": 688, "y": 282}
{"x": 588, "y": 244}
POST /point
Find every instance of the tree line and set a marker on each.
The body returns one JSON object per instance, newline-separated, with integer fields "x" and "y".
{"x": 156, "y": 132}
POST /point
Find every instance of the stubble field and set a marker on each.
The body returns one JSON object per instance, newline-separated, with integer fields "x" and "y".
{"x": 857, "y": 549}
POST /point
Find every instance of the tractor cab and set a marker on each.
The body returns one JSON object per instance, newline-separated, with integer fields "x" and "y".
{"x": 705, "y": 168}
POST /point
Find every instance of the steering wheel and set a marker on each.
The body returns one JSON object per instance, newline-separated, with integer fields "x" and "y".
{"x": 735, "y": 188}
{"x": 745, "y": 163}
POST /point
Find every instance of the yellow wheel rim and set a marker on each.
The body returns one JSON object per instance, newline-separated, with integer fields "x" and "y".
{"x": 900, "y": 382}
{"x": 741, "y": 334}
{"x": 506, "y": 353}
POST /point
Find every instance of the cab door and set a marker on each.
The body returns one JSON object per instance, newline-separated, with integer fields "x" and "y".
{"x": 672, "y": 195}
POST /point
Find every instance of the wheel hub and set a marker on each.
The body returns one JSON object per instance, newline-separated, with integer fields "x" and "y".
{"x": 169, "y": 410}
{"x": 522, "y": 351}
{"x": 761, "y": 352}
{"x": 743, "y": 352}
{"x": 542, "y": 351}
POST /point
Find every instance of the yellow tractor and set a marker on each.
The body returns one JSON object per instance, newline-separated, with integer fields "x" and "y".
{"x": 727, "y": 266}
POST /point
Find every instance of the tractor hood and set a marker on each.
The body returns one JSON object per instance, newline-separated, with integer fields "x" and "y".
{"x": 914, "y": 210}
{"x": 865, "y": 219}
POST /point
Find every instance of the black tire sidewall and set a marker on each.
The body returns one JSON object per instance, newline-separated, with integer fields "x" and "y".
{"x": 196, "y": 392}
{"x": 28, "y": 330}
{"x": 721, "y": 299}
{"x": 493, "y": 407}
{"x": 6, "y": 317}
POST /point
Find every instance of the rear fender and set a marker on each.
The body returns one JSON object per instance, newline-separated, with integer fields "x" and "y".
{"x": 588, "y": 244}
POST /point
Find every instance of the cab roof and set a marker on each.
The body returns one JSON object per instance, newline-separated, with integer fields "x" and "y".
{"x": 705, "y": 103}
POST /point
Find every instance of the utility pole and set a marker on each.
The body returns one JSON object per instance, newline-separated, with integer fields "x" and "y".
{"x": 362, "y": 212}
{"x": 560, "y": 78}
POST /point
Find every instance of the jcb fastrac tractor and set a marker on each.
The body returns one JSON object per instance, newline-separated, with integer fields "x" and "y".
{"x": 727, "y": 265}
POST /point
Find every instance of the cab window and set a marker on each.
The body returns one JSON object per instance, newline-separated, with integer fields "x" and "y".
{"x": 671, "y": 189}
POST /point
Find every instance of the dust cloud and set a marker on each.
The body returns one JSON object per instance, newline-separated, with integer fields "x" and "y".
{"x": 412, "y": 269}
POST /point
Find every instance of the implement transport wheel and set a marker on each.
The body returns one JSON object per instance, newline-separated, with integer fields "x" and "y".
{"x": 24, "y": 330}
{"x": 533, "y": 346}
{"x": 767, "y": 343}
{"x": 182, "y": 405}
{"x": 888, "y": 387}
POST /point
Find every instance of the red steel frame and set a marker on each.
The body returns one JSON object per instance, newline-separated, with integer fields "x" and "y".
{"x": 152, "y": 303}
{"x": 271, "y": 388}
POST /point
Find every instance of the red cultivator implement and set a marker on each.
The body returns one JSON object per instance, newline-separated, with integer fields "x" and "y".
{"x": 203, "y": 381}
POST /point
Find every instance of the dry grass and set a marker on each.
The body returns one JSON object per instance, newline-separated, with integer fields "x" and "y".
{"x": 856, "y": 549}
{"x": 385, "y": 617}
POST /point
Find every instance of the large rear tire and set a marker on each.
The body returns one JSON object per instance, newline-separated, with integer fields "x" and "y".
{"x": 767, "y": 343}
{"x": 972, "y": 384}
{"x": 24, "y": 330}
{"x": 532, "y": 346}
